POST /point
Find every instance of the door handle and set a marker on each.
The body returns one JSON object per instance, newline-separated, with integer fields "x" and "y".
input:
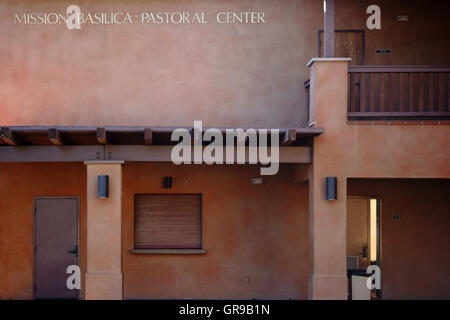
{"x": 74, "y": 251}
{"x": 364, "y": 252}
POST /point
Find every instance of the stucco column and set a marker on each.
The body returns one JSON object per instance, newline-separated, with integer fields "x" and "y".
{"x": 104, "y": 265}
{"x": 328, "y": 218}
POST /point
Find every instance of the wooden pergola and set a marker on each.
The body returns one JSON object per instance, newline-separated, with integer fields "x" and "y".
{"x": 128, "y": 143}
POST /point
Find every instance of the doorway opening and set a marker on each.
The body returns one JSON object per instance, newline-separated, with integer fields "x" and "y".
{"x": 363, "y": 242}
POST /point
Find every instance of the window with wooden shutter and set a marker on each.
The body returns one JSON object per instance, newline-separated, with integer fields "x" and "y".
{"x": 167, "y": 221}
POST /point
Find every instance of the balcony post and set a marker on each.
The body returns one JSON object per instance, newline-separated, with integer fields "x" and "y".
{"x": 328, "y": 218}
{"x": 328, "y": 27}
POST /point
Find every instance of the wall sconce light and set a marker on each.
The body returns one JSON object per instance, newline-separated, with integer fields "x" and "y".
{"x": 331, "y": 188}
{"x": 103, "y": 187}
{"x": 167, "y": 182}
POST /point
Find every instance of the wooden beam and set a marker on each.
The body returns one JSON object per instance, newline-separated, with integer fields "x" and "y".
{"x": 50, "y": 153}
{"x": 163, "y": 153}
{"x": 290, "y": 136}
{"x": 8, "y": 136}
{"x": 55, "y": 137}
{"x": 101, "y": 136}
{"x": 127, "y": 153}
{"x": 148, "y": 136}
{"x": 328, "y": 34}
{"x": 62, "y": 136}
{"x": 399, "y": 68}
{"x": 435, "y": 115}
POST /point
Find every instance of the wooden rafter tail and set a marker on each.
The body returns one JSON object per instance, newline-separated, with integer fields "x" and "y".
{"x": 101, "y": 136}
{"x": 290, "y": 136}
{"x": 55, "y": 137}
{"x": 8, "y": 136}
{"x": 148, "y": 136}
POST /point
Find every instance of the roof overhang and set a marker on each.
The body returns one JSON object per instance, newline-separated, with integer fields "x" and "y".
{"x": 123, "y": 135}
{"x": 128, "y": 143}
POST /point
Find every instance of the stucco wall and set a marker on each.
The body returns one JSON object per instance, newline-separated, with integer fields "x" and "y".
{"x": 415, "y": 251}
{"x": 20, "y": 183}
{"x": 225, "y": 75}
{"x": 344, "y": 150}
{"x": 371, "y": 150}
{"x": 255, "y": 231}
{"x": 419, "y": 41}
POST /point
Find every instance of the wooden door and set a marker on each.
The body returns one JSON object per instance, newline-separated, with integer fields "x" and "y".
{"x": 56, "y": 246}
{"x": 358, "y": 210}
{"x": 347, "y": 44}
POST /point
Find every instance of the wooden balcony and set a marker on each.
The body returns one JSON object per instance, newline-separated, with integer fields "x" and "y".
{"x": 399, "y": 93}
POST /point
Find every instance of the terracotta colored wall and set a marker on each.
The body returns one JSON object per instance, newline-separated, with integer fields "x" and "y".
{"x": 415, "y": 251}
{"x": 255, "y": 231}
{"x": 348, "y": 151}
{"x": 380, "y": 150}
{"x": 225, "y": 75}
{"x": 104, "y": 238}
{"x": 20, "y": 183}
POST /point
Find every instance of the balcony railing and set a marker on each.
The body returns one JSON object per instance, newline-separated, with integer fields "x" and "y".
{"x": 399, "y": 92}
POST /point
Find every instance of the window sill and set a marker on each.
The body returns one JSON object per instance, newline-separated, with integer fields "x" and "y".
{"x": 167, "y": 251}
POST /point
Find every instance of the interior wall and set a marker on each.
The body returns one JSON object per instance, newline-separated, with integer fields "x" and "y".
{"x": 259, "y": 232}
{"x": 415, "y": 251}
{"x": 224, "y": 75}
{"x": 21, "y": 182}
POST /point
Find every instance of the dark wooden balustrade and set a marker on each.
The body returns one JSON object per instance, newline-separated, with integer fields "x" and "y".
{"x": 399, "y": 92}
